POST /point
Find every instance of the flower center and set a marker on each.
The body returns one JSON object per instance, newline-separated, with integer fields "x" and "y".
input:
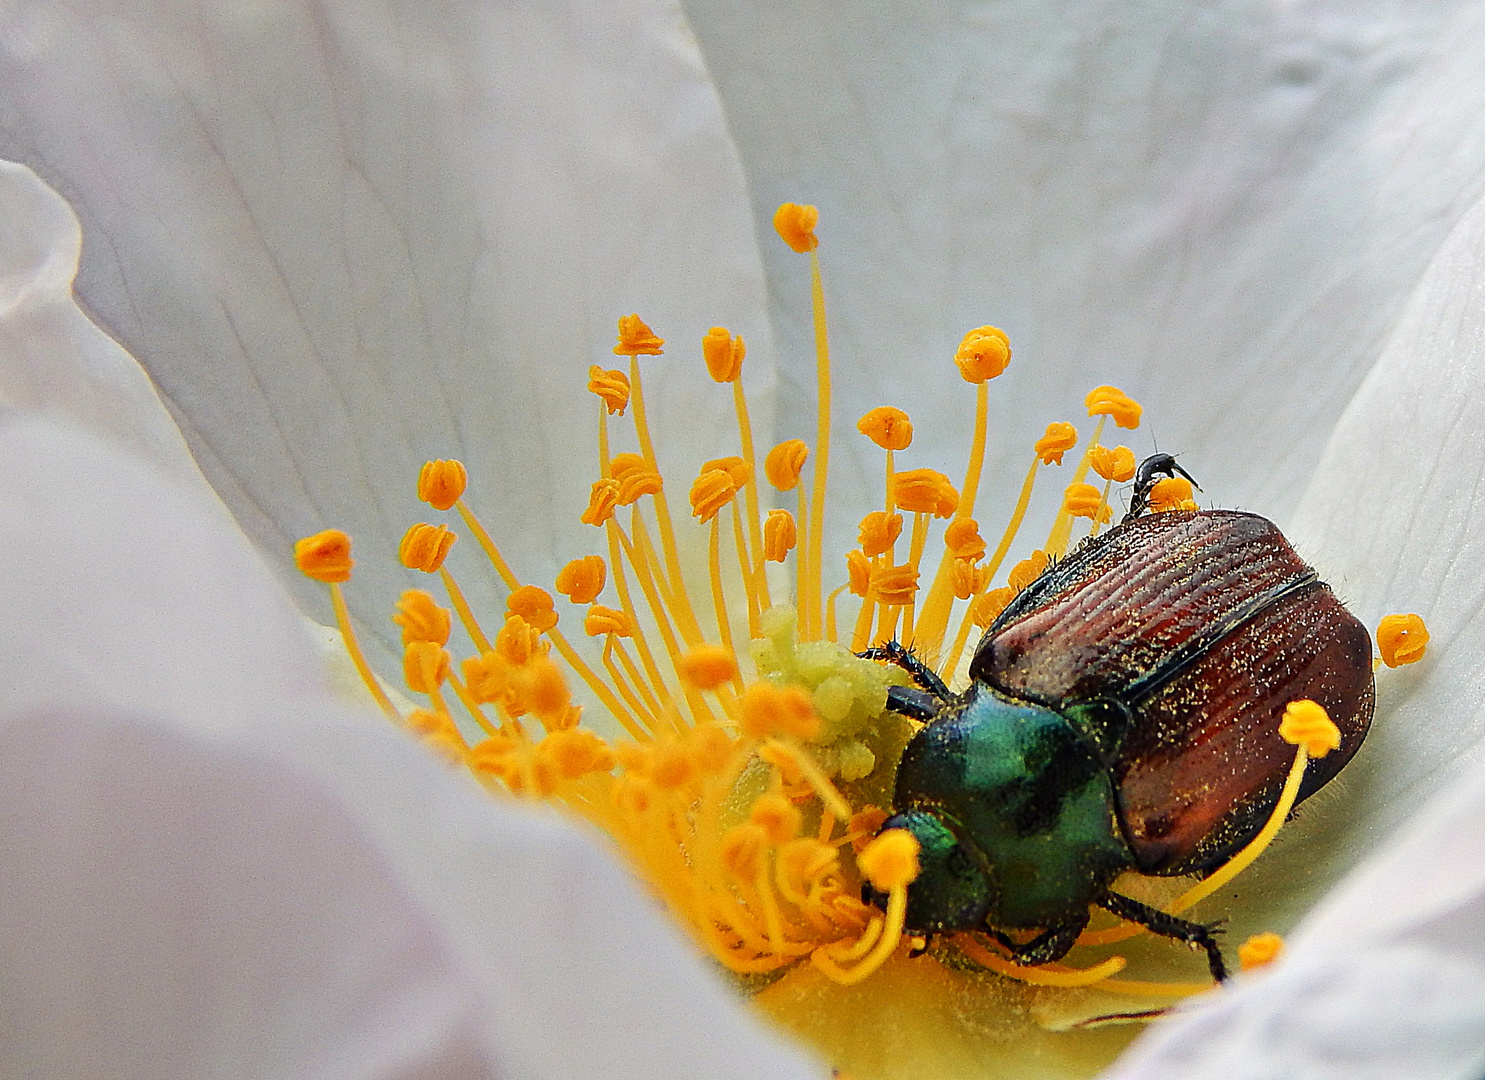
{"x": 750, "y": 791}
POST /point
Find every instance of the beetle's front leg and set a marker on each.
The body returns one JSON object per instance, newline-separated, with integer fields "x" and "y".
{"x": 1171, "y": 926}
{"x": 1047, "y": 946}
{"x": 895, "y": 652}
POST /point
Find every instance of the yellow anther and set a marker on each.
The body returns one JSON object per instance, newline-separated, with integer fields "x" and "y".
{"x": 582, "y": 579}
{"x": 425, "y": 666}
{"x": 776, "y": 816}
{"x": 669, "y": 766}
{"x": 712, "y": 490}
{"x": 438, "y": 733}
{"x": 427, "y": 722}
{"x": 424, "y": 547}
{"x": 983, "y": 354}
{"x": 765, "y": 709}
{"x": 637, "y": 339}
{"x": 576, "y": 752}
{"x": 487, "y": 677}
{"x": 988, "y": 606}
{"x": 734, "y": 466}
{"x": 325, "y": 556}
{"x": 1111, "y": 401}
{"x": 422, "y": 619}
{"x": 785, "y": 462}
{"x": 724, "y": 354}
{"x": 1401, "y": 639}
{"x": 743, "y": 849}
{"x": 602, "y": 500}
{"x": 888, "y": 427}
{"x": 636, "y": 485}
{"x": 796, "y": 226}
{"x": 707, "y": 667}
{"x": 711, "y": 748}
{"x": 1114, "y": 463}
{"x": 441, "y": 483}
{"x": 968, "y": 579}
{"x": 1058, "y": 440}
{"x": 545, "y": 693}
{"x": 891, "y": 860}
{"x": 858, "y": 571}
{"x": 635, "y": 478}
{"x": 605, "y": 620}
{"x": 1028, "y": 570}
{"x": 925, "y": 491}
{"x": 1307, "y": 724}
{"x": 1259, "y": 950}
{"x": 610, "y": 385}
{"x": 518, "y": 641}
{"x": 895, "y": 586}
{"x": 1172, "y": 493}
{"x": 780, "y": 534}
{"x": 963, "y": 539}
{"x": 535, "y": 605}
{"x": 878, "y": 532}
{"x": 1085, "y": 501}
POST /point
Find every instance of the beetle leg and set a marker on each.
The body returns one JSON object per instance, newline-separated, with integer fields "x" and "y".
{"x": 913, "y": 703}
{"x": 1047, "y": 946}
{"x": 896, "y": 653}
{"x": 1168, "y": 925}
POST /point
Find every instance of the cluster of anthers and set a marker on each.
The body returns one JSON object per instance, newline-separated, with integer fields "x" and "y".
{"x": 752, "y": 783}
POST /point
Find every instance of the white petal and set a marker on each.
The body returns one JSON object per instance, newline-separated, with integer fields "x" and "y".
{"x": 1219, "y": 207}
{"x": 348, "y": 237}
{"x": 51, "y": 356}
{"x": 206, "y": 870}
{"x": 1384, "y": 978}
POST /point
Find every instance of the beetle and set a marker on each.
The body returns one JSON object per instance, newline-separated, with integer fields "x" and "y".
{"x": 1122, "y": 714}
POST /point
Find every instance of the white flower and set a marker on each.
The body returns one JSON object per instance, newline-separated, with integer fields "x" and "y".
{"x": 344, "y": 238}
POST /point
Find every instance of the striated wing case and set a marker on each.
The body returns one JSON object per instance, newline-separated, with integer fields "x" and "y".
{"x": 1201, "y": 626}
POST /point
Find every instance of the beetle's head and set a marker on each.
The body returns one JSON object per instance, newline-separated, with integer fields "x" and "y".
{"x": 953, "y": 890}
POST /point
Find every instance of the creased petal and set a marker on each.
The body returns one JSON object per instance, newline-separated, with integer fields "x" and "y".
{"x": 345, "y": 238}
{"x": 51, "y": 356}
{"x": 211, "y": 870}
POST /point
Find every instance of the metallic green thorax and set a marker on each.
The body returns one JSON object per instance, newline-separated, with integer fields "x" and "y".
{"x": 1015, "y": 814}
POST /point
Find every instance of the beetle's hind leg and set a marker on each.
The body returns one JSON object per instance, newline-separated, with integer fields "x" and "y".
{"x": 898, "y": 653}
{"x": 1047, "y": 946}
{"x": 1168, "y": 925}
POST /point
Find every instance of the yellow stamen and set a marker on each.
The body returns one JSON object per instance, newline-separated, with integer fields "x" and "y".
{"x": 983, "y": 354}
{"x": 888, "y": 427}
{"x": 1111, "y": 401}
{"x": 1260, "y": 950}
{"x": 1047, "y": 975}
{"x": 723, "y": 354}
{"x": 1113, "y": 463}
{"x": 637, "y": 339}
{"x": 612, "y": 386}
{"x": 424, "y": 547}
{"x": 779, "y": 535}
{"x": 795, "y": 225}
{"x": 422, "y": 619}
{"x": 582, "y": 580}
{"x": 441, "y": 483}
{"x": 1401, "y": 639}
{"x": 1171, "y": 493}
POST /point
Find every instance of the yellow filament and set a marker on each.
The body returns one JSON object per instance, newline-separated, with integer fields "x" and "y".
{"x": 685, "y": 617}
{"x": 751, "y": 575}
{"x": 755, "y": 528}
{"x": 559, "y": 641}
{"x": 884, "y": 948}
{"x": 616, "y": 542}
{"x": 933, "y": 622}
{"x": 1098, "y": 512}
{"x": 830, "y": 633}
{"x": 358, "y": 658}
{"x": 814, "y": 776}
{"x": 1255, "y": 847}
{"x": 633, "y": 688}
{"x": 810, "y": 587}
{"x": 719, "y": 598}
{"x": 466, "y": 616}
{"x": 1057, "y": 539}
{"x": 1039, "y": 976}
{"x": 470, "y": 704}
